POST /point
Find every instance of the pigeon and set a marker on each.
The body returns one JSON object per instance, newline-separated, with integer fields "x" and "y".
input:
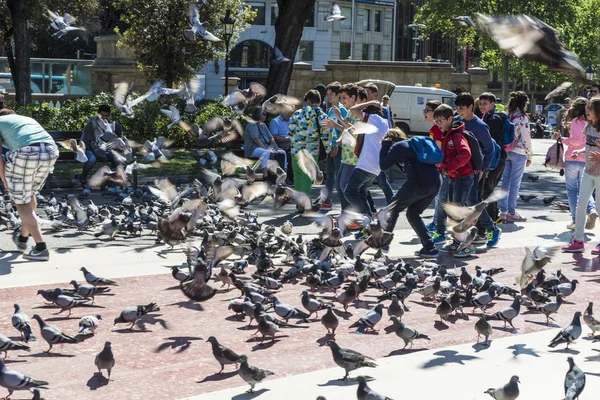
{"x": 534, "y": 178}
{"x": 280, "y": 103}
{"x": 278, "y": 57}
{"x": 197, "y": 289}
{"x": 89, "y": 291}
{"x": 22, "y": 323}
{"x": 364, "y": 392}
{"x": 311, "y": 304}
{"x": 105, "y": 174}
{"x": 349, "y": 359}
{"x": 569, "y": 333}
{"x": 130, "y": 315}
{"x": 62, "y": 24}
{"x": 464, "y": 21}
{"x": 443, "y": 309}
{"x": 122, "y": 101}
{"x": 395, "y": 308}
{"x": 96, "y": 280}
{"x": 483, "y": 328}
{"x": 551, "y": 308}
{"x": 173, "y": 114}
{"x": 13, "y": 380}
{"x": 330, "y": 321}
{"x": 510, "y": 391}
{"x": 197, "y": 28}
{"x": 574, "y": 381}
{"x": 308, "y": 165}
{"x": 7, "y": 344}
{"x": 548, "y": 200}
{"x": 533, "y": 262}
{"x": 527, "y": 198}
{"x": 369, "y": 320}
{"x": 287, "y": 311}
{"x": 336, "y": 14}
{"x": 482, "y": 300}
{"x": 590, "y": 320}
{"x": 222, "y": 354}
{"x": 407, "y": 334}
{"x": 67, "y": 302}
{"x": 566, "y": 289}
{"x": 531, "y": 39}
{"x": 266, "y": 327}
{"x": 239, "y": 100}
{"x": 470, "y": 215}
{"x": 89, "y": 324}
{"x": 52, "y": 334}
{"x": 559, "y": 91}
{"x": 75, "y": 147}
{"x": 252, "y": 375}
{"x": 507, "y": 314}
{"x": 105, "y": 359}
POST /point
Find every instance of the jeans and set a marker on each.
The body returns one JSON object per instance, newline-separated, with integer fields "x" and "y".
{"x": 258, "y": 152}
{"x": 302, "y": 182}
{"x": 356, "y": 190}
{"x": 487, "y": 186}
{"x": 460, "y": 189}
{"x": 89, "y": 164}
{"x": 384, "y": 184}
{"x": 415, "y": 200}
{"x": 342, "y": 180}
{"x": 473, "y": 198}
{"x": 511, "y": 181}
{"x": 333, "y": 166}
{"x": 440, "y": 199}
{"x": 573, "y": 175}
{"x": 588, "y": 184}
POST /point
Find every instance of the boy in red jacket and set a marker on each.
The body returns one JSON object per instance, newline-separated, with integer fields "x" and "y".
{"x": 456, "y": 165}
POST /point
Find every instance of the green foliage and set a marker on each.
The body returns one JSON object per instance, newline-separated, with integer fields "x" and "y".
{"x": 147, "y": 123}
{"x": 155, "y": 34}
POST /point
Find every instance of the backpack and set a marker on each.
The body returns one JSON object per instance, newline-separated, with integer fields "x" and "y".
{"x": 555, "y": 157}
{"x": 495, "y": 156}
{"x": 508, "y": 135}
{"x": 426, "y": 150}
{"x": 476, "y": 151}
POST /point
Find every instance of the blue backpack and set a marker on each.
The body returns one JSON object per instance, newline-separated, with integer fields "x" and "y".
{"x": 495, "y": 156}
{"x": 426, "y": 150}
{"x": 508, "y": 135}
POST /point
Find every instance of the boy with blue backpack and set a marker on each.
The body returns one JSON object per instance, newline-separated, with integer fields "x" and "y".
{"x": 420, "y": 156}
{"x": 503, "y": 133}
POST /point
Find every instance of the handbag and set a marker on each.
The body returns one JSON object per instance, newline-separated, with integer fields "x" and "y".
{"x": 555, "y": 157}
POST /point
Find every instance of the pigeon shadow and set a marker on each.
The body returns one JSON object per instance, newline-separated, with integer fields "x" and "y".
{"x": 593, "y": 358}
{"x": 323, "y": 340}
{"x": 97, "y": 381}
{"x": 247, "y": 396}
{"x": 55, "y": 355}
{"x": 127, "y": 330}
{"x": 339, "y": 382}
{"x": 543, "y": 218}
{"x": 401, "y": 352}
{"x": 512, "y": 228}
{"x": 265, "y": 345}
{"x": 13, "y": 361}
{"x": 565, "y": 350}
{"x": 543, "y": 324}
{"x": 440, "y": 326}
{"x": 218, "y": 377}
{"x": 258, "y": 339}
{"x": 235, "y": 317}
{"x": 522, "y": 350}
{"x": 481, "y": 346}
{"x": 447, "y": 357}
{"x": 181, "y": 343}
{"x": 189, "y": 304}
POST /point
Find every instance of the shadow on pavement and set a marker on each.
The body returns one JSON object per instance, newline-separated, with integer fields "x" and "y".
{"x": 447, "y": 357}
{"x": 218, "y": 377}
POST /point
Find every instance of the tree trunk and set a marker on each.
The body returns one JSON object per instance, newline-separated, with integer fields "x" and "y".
{"x": 288, "y": 31}
{"x": 22, "y": 67}
{"x": 504, "y": 78}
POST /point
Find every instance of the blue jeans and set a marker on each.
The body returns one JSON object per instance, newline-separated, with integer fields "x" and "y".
{"x": 259, "y": 151}
{"x": 511, "y": 180}
{"x": 484, "y": 219}
{"x": 333, "y": 166}
{"x": 89, "y": 164}
{"x": 384, "y": 184}
{"x": 573, "y": 175}
{"x": 343, "y": 177}
{"x": 588, "y": 184}
{"x": 440, "y": 199}
{"x": 356, "y": 190}
{"x": 460, "y": 189}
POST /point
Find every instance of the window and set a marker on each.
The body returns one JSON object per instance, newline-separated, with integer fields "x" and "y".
{"x": 251, "y": 54}
{"x": 259, "y": 9}
{"x": 306, "y": 50}
{"x": 377, "y": 52}
{"x": 377, "y": 21}
{"x": 365, "y": 52}
{"x": 347, "y": 23}
{"x": 274, "y": 13}
{"x": 367, "y": 20}
{"x": 310, "y": 20}
{"x": 344, "y": 51}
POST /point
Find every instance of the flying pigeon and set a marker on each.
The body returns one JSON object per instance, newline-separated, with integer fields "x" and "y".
{"x": 559, "y": 91}
{"x": 464, "y": 21}
{"x": 122, "y": 101}
{"x": 278, "y": 57}
{"x": 62, "y": 24}
{"x": 336, "y": 14}
{"x": 533, "y": 262}
{"x": 75, "y": 147}
{"x": 197, "y": 28}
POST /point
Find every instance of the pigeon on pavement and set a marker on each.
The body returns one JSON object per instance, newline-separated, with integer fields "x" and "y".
{"x": 130, "y": 315}
{"x": 551, "y": 308}
{"x": 22, "y": 323}
{"x": 369, "y": 320}
{"x": 13, "y": 380}
{"x": 349, "y": 359}
{"x": 590, "y": 320}
{"x": 89, "y": 324}
{"x": 330, "y": 321}
{"x": 364, "y": 392}
{"x": 510, "y": 391}
{"x": 96, "y": 280}
{"x": 406, "y": 333}
{"x": 52, "y": 334}
{"x": 507, "y": 314}
{"x": 222, "y": 354}
{"x": 89, "y": 291}
{"x": 105, "y": 359}
{"x": 252, "y": 375}
{"x": 287, "y": 311}
{"x": 574, "y": 381}
{"x": 569, "y": 333}
{"x": 7, "y": 344}
{"x": 483, "y": 328}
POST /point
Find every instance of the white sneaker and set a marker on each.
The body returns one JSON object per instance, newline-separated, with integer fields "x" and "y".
{"x": 571, "y": 226}
{"x": 591, "y": 220}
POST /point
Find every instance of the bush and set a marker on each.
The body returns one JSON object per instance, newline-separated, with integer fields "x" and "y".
{"x": 147, "y": 123}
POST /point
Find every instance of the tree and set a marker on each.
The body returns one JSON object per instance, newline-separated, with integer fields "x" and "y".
{"x": 155, "y": 34}
{"x": 288, "y": 31}
{"x": 15, "y": 17}
{"x": 564, "y": 15}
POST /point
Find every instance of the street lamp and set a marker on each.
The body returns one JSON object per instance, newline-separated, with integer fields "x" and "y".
{"x": 228, "y": 25}
{"x": 589, "y": 73}
{"x": 417, "y": 37}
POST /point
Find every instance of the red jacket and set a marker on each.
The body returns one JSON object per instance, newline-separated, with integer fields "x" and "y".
{"x": 457, "y": 153}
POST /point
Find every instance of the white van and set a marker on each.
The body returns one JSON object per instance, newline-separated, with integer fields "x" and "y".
{"x": 407, "y": 104}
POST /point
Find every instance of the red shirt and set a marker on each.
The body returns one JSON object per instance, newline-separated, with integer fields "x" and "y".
{"x": 436, "y": 133}
{"x": 457, "y": 153}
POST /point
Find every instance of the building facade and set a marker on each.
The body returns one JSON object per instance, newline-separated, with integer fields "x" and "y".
{"x": 366, "y": 34}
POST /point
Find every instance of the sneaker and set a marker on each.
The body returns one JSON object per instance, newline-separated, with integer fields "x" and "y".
{"x": 437, "y": 237}
{"x": 515, "y": 217}
{"x": 466, "y": 252}
{"x": 503, "y": 215}
{"x": 497, "y": 221}
{"x": 22, "y": 247}
{"x": 451, "y": 246}
{"x": 493, "y": 237}
{"x": 591, "y": 220}
{"x": 571, "y": 226}
{"x": 353, "y": 226}
{"x": 35, "y": 255}
{"x": 480, "y": 239}
{"x": 431, "y": 253}
{"x": 385, "y": 249}
{"x": 575, "y": 246}
{"x": 326, "y": 205}
{"x": 361, "y": 234}
{"x": 596, "y": 250}
{"x": 431, "y": 227}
